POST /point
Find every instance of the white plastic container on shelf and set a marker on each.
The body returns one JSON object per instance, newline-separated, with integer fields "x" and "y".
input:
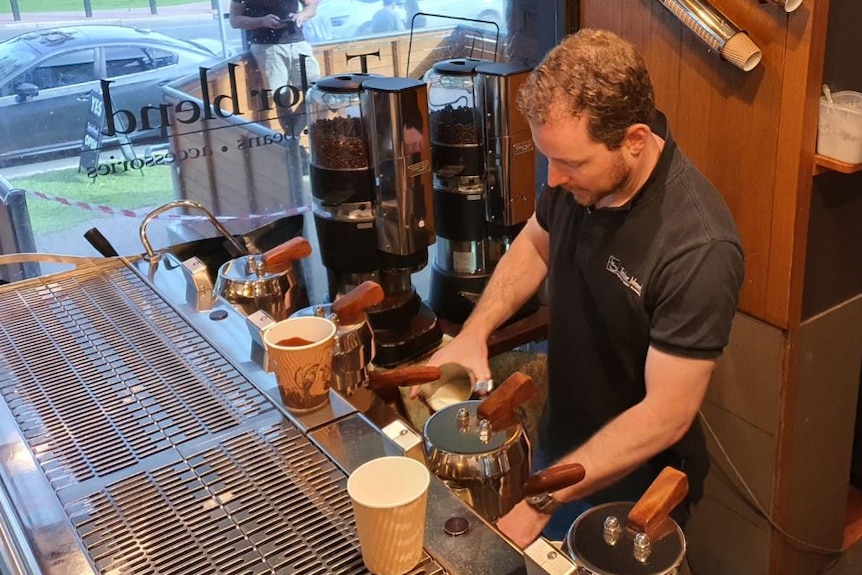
{"x": 839, "y": 130}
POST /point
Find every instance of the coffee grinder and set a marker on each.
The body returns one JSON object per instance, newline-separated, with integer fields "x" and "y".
{"x": 371, "y": 186}
{"x": 484, "y": 168}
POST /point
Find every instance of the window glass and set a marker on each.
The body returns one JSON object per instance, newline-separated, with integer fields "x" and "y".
{"x": 186, "y": 112}
{"x": 14, "y": 56}
{"x": 125, "y": 60}
{"x": 66, "y": 69}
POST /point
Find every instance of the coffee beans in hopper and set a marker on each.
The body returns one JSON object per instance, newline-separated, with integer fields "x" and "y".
{"x": 339, "y": 143}
{"x": 454, "y": 126}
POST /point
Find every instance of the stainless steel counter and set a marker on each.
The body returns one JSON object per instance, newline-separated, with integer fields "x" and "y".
{"x": 138, "y": 435}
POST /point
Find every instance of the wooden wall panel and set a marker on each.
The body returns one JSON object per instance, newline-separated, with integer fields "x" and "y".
{"x": 695, "y": 108}
{"x": 806, "y": 44}
{"x": 803, "y": 76}
{"x": 663, "y": 57}
{"x": 631, "y": 25}
{"x": 733, "y": 125}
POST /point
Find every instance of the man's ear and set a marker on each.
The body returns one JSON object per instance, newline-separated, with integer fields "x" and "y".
{"x": 636, "y": 138}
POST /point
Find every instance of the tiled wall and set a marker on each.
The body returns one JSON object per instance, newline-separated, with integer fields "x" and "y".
{"x": 727, "y": 534}
{"x": 830, "y": 353}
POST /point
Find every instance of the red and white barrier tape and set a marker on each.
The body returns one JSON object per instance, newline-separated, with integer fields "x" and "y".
{"x": 112, "y": 211}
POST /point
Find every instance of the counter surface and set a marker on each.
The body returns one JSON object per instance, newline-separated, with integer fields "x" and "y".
{"x": 142, "y": 435}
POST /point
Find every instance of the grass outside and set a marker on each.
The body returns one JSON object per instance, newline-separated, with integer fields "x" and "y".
{"x": 31, "y": 6}
{"x": 132, "y": 190}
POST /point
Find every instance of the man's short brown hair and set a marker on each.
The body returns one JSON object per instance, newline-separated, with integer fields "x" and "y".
{"x": 593, "y": 73}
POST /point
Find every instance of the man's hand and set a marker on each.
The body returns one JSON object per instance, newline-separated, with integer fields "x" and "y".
{"x": 309, "y": 10}
{"x": 271, "y": 21}
{"x": 467, "y": 351}
{"x": 298, "y": 18}
{"x": 523, "y": 524}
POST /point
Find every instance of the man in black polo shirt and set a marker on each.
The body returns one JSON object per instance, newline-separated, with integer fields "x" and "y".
{"x": 643, "y": 264}
{"x": 279, "y": 48}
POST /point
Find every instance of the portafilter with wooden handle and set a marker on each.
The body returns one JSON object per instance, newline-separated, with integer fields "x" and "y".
{"x": 354, "y": 348}
{"x": 480, "y": 449}
{"x": 265, "y": 281}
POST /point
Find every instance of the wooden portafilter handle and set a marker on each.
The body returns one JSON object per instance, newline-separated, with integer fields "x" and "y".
{"x": 282, "y": 256}
{"x": 402, "y": 376}
{"x": 651, "y": 514}
{"x": 500, "y": 405}
{"x": 356, "y": 301}
{"x": 553, "y": 478}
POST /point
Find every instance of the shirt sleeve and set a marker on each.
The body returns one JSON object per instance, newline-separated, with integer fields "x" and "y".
{"x": 696, "y": 300}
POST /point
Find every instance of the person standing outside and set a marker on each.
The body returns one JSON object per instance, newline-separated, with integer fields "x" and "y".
{"x": 279, "y": 48}
{"x": 412, "y": 20}
{"x": 643, "y": 264}
{"x": 387, "y": 19}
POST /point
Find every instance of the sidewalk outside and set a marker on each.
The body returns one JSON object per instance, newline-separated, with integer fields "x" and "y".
{"x": 126, "y": 17}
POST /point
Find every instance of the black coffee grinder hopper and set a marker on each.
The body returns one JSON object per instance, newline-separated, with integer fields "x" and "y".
{"x": 371, "y": 187}
{"x": 483, "y": 175}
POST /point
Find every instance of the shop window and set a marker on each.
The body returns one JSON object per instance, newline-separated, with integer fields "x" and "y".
{"x": 242, "y": 166}
{"x": 125, "y": 60}
{"x": 67, "y": 69}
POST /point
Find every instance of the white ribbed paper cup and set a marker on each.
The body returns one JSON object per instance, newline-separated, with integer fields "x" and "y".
{"x": 390, "y": 497}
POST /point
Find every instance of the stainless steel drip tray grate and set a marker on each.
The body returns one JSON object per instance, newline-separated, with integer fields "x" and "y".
{"x": 266, "y": 501}
{"x": 100, "y": 374}
{"x": 128, "y": 444}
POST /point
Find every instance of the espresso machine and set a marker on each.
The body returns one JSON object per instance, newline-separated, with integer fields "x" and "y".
{"x": 484, "y": 168}
{"x": 371, "y": 186}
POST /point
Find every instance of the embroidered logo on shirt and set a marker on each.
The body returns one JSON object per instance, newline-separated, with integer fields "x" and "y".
{"x": 616, "y": 267}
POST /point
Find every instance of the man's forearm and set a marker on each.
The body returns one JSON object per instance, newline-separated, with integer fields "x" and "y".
{"x": 675, "y": 387}
{"x": 240, "y": 21}
{"x": 619, "y": 448}
{"x": 246, "y": 22}
{"x": 518, "y": 275}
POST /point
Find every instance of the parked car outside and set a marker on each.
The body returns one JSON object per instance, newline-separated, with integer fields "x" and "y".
{"x": 46, "y": 77}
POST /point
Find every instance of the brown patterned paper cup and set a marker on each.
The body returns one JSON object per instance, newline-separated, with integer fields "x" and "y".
{"x": 389, "y": 497}
{"x": 300, "y": 352}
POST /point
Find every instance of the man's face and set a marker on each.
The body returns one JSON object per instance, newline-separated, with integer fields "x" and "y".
{"x": 593, "y": 174}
